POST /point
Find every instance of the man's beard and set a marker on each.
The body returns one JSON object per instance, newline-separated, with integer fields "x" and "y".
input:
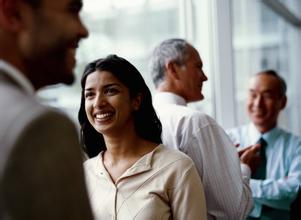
{"x": 49, "y": 69}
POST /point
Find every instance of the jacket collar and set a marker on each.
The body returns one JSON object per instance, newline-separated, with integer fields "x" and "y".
{"x": 16, "y": 76}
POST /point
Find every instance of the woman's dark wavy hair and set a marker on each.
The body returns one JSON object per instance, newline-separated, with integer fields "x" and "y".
{"x": 147, "y": 124}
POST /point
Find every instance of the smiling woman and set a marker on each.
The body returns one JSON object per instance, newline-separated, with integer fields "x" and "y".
{"x": 132, "y": 175}
{"x": 123, "y": 77}
{"x": 108, "y": 103}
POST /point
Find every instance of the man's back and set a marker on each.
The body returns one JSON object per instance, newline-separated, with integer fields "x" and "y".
{"x": 200, "y": 137}
{"x": 41, "y": 176}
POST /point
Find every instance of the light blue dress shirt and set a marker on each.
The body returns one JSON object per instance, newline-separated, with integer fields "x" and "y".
{"x": 283, "y": 176}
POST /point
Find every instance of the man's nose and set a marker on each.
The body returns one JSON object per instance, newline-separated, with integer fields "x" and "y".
{"x": 82, "y": 30}
{"x": 203, "y": 76}
{"x": 258, "y": 101}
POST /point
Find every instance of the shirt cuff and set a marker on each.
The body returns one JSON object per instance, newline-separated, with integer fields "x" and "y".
{"x": 246, "y": 171}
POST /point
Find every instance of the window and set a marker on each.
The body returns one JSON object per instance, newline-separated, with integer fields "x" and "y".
{"x": 263, "y": 39}
{"x": 235, "y": 39}
{"x": 131, "y": 29}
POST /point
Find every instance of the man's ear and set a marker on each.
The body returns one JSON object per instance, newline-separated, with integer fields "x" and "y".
{"x": 283, "y": 102}
{"x": 10, "y": 19}
{"x": 172, "y": 69}
{"x": 137, "y": 102}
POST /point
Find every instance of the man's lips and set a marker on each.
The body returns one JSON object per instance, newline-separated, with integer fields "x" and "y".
{"x": 258, "y": 113}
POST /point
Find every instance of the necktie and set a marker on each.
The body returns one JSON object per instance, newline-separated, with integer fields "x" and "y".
{"x": 260, "y": 173}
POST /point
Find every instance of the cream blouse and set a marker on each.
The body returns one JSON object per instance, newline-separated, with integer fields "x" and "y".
{"x": 162, "y": 184}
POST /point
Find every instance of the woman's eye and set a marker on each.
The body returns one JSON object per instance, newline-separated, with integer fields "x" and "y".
{"x": 88, "y": 94}
{"x": 111, "y": 91}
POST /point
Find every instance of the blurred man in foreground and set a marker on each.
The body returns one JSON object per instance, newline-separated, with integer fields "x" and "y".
{"x": 41, "y": 174}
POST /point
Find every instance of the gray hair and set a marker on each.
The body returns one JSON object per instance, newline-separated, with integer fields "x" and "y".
{"x": 174, "y": 49}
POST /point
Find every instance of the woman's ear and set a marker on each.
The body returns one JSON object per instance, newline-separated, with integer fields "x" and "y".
{"x": 137, "y": 101}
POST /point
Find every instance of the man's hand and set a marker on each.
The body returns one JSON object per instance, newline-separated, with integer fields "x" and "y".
{"x": 250, "y": 156}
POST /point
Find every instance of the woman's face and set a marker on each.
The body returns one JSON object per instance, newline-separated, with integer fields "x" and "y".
{"x": 108, "y": 105}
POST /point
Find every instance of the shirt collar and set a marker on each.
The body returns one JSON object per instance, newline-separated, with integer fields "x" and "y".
{"x": 17, "y": 76}
{"x": 169, "y": 98}
{"x": 142, "y": 165}
{"x": 267, "y": 136}
{"x": 271, "y": 134}
{"x": 254, "y": 133}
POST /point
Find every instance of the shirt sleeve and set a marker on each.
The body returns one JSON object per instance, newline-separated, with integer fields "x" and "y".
{"x": 227, "y": 191}
{"x": 187, "y": 198}
{"x": 280, "y": 192}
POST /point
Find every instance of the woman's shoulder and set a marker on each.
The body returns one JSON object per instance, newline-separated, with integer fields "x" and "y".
{"x": 90, "y": 165}
{"x": 165, "y": 155}
{"x": 171, "y": 164}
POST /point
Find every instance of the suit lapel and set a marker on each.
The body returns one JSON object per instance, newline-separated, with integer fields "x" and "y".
{"x": 5, "y": 78}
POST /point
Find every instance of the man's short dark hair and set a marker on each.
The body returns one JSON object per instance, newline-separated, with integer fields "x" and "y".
{"x": 35, "y": 3}
{"x": 282, "y": 82}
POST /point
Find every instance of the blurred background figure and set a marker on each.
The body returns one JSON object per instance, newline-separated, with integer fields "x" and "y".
{"x": 276, "y": 159}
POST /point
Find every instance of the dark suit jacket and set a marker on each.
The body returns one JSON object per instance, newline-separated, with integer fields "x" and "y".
{"x": 41, "y": 174}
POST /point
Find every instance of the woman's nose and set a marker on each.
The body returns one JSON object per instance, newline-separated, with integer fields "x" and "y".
{"x": 99, "y": 101}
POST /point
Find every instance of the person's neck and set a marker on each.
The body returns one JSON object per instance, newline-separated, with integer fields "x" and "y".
{"x": 122, "y": 153}
{"x": 14, "y": 58}
{"x": 264, "y": 129}
{"x": 125, "y": 146}
{"x": 167, "y": 88}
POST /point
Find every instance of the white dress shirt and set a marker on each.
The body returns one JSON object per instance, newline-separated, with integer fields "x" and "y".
{"x": 283, "y": 169}
{"x": 228, "y": 195}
